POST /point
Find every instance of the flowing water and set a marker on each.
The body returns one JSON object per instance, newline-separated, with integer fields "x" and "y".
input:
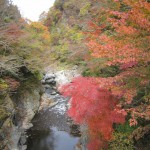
{"x": 52, "y": 130}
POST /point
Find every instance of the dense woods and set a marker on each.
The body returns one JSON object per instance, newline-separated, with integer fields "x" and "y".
{"x": 109, "y": 41}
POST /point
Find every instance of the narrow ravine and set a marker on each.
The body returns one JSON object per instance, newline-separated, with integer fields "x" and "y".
{"x": 52, "y": 129}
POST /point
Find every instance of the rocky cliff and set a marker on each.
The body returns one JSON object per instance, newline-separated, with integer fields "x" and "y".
{"x": 19, "y": 107}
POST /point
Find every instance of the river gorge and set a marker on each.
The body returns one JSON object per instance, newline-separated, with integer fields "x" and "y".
{"x": 52, "y": 129}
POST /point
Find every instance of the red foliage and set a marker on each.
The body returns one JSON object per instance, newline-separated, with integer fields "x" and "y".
{"x": 95, "y": 107}
{"x": 128, "y": 65}
{"x": 13, "y": 84}
{"x": 14, "y": 31}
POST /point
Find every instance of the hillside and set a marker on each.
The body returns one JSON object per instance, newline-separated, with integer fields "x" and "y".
{"x": 66, "y": 22}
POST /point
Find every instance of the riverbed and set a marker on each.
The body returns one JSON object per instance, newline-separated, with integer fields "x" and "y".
{"x": 52, "y": 129}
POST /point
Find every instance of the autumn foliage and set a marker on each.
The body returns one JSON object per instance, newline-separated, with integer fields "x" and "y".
{"x": 93, "y": 106}
{"x": 122, "y": 36}
{"x": 40, "y": 29}
{"x": 119, "y": 36}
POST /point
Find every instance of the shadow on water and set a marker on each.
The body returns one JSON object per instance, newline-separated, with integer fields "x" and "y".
{"x": 52, "y": 140}
{"x": 51, "y": 131}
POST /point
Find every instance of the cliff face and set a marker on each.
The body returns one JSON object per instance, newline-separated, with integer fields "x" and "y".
{"x": 20, "y": 107}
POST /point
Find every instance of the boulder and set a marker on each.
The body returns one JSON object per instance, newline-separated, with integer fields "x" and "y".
{"x": 49, "y": 76}
{"x": 47, "y": 101}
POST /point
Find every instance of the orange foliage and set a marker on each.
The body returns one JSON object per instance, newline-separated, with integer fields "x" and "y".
{"x": 125, "y": 43}
{"x": 40, "y": 29}
{"x": 123, "y": 40}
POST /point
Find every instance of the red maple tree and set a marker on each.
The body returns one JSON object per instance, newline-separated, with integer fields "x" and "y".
{"x": 95, "y": 107}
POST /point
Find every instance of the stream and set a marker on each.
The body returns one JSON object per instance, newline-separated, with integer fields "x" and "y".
{"x": 52, "y": 129}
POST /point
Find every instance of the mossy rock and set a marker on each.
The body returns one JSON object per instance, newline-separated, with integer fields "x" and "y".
{"x": 2, "y": 98}
{"x": 3, "y": 113}
{"x": 38, "y": 75}
{"x": 3, "y": 85}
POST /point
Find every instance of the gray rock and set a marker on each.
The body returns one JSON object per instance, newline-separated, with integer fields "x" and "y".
{"x": 50, "y": 81}
{"x": 23, "y": 139}
{"x": 24, "y": 104}
{"x": 54, "y": 87}
{"x": 24, "y": 147}
{"x": 47, "y": 101}
{"x": 49, "y": 76}
{"x": 47, "y": 86}
{"x": 43, "y": 81}
{"x": 53, "y": 93}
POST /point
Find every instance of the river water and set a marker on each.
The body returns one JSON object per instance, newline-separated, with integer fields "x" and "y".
{"x": 52, "y": 129}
